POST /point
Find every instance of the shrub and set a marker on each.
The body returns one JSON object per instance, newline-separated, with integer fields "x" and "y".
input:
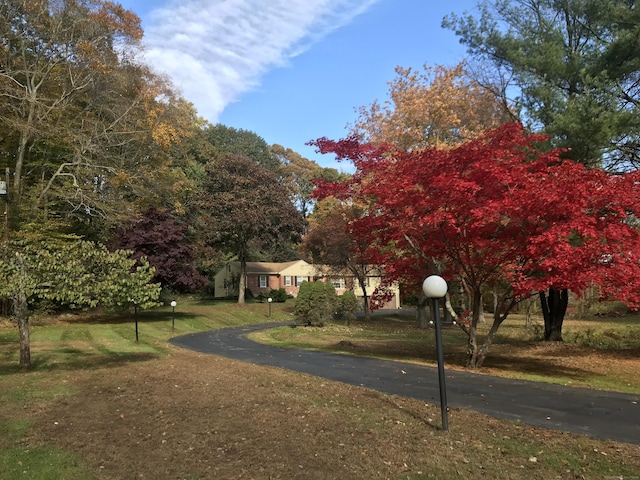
{"x": 348, "y": 305}
{"x": 279, "y": 295}
{"x": 316, "y": 303}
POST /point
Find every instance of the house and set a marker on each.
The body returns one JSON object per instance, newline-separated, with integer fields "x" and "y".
{"x": 346, "y": 281}
{"x": 262, "y": 277}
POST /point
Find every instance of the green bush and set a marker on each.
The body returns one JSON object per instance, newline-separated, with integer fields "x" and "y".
{"x": 279, "y": 295}
{"x": 348, "y": 305}
{"x": 316, "y": 303}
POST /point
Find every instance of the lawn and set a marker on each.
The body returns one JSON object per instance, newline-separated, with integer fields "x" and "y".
{"x": 99, "y": 405}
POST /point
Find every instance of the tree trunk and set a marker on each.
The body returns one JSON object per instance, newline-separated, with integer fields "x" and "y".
{"x": 503, "y": 307}
{"x": 449, "y": 312}
{"x": 481, "y": 318}
{"x": 423, "y": 313}
{"x": 481, "y": 354}
{"x": 21, "y": 310}
{"x": 365, "y": 298}
{"x": 242, "y": 281}
{"x": 423, "y": 317}
{"x": 554, "y": 308}
{"x": 528, "y": 315}
{"x": 472, "y": 344}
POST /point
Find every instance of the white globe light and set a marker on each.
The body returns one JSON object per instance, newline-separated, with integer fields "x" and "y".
{"x": 269, "y": 299}
{"x": 434, "y": 286}
{"x": 173, "y": 303}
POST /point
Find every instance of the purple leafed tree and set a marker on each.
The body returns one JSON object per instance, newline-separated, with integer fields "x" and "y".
{"x": 161, "y": 238}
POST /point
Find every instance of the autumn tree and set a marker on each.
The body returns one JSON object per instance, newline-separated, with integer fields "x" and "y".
{"x": 484, "y": 213}
{"x": 244, "y": 208}
{"x": 162, "y": 239}
{"x": 573, "y": 67}
{"x": 436, "y": 107}
{"x": 330, "y": 244}
{"x": 85, "y": 127}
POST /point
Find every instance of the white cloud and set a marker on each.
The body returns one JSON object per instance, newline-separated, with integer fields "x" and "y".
{"x": 215, "y": 50}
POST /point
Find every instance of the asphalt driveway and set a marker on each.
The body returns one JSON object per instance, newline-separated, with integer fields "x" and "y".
{"x": 600, "y": 414}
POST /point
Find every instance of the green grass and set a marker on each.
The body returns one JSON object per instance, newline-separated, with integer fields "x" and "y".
{"x": 14, "y": 429}
{"x": 41, "y": 463}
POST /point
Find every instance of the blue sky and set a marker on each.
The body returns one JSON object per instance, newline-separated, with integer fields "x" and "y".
{"x": 293, "y": 70}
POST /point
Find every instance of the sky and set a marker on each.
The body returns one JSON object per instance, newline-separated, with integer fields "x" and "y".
{"x": 292, "y": 71}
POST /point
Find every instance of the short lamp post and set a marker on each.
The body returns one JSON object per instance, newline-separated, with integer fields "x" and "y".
{"x": 269, "y": 301}
{"x": 435, "y": 287}
{"x": 135, "y": 316}
{"x": 173, "y": 315}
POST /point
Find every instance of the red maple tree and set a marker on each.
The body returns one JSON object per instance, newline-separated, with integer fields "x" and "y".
{"x": 498, "y": 211}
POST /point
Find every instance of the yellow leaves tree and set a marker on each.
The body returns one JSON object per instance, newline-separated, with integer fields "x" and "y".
{"x": 437, "y": 107}
{"x": 87, "y": 130}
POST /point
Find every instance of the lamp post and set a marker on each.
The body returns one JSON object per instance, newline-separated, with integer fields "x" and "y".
{"x": 135, "y": 316}
{"x": 173, "y": 315}
{"x": 269, "y": 301}
{"x": 435, "y": 287}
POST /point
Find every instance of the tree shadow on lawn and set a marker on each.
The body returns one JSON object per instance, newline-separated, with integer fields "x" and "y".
{"x": 524, "y": 359}
{"x": 70, "y": 359}
{"x": 539, "y": 366}
{"x": 144, "y": 316}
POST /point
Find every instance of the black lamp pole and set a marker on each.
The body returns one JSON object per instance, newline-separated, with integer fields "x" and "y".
{"x": 435, "y": 287}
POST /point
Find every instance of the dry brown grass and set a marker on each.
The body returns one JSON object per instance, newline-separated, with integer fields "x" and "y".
{"x": 187, "y": 415}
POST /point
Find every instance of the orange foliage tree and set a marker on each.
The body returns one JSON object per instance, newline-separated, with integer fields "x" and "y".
{"x": 438, "y": 107}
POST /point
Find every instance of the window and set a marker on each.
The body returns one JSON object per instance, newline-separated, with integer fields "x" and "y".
{"x": 263, "y": 281}
{"x": 339, "y": 284}
{"x": 299, "y": 280}
{"x": 287, "y": 281}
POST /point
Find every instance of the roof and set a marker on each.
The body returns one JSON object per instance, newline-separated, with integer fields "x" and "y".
{"x": 279, "y": 268}
{"x": 269, "y": 268}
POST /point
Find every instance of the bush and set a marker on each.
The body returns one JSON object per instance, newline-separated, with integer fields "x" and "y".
{"x": 348, "y": 305}
{"x": 316, "y": 303}
{"x": 279, "y": 295}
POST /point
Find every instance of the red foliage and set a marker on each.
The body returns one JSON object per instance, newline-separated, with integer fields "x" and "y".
{"x": 161, "y": 238}
{"x": 496, "y": 209}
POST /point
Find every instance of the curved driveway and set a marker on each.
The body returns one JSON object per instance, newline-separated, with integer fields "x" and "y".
{"x": 600, "y": 414}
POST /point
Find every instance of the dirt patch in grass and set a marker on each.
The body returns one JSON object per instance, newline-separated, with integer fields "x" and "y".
{"x": 193, "y": 416}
